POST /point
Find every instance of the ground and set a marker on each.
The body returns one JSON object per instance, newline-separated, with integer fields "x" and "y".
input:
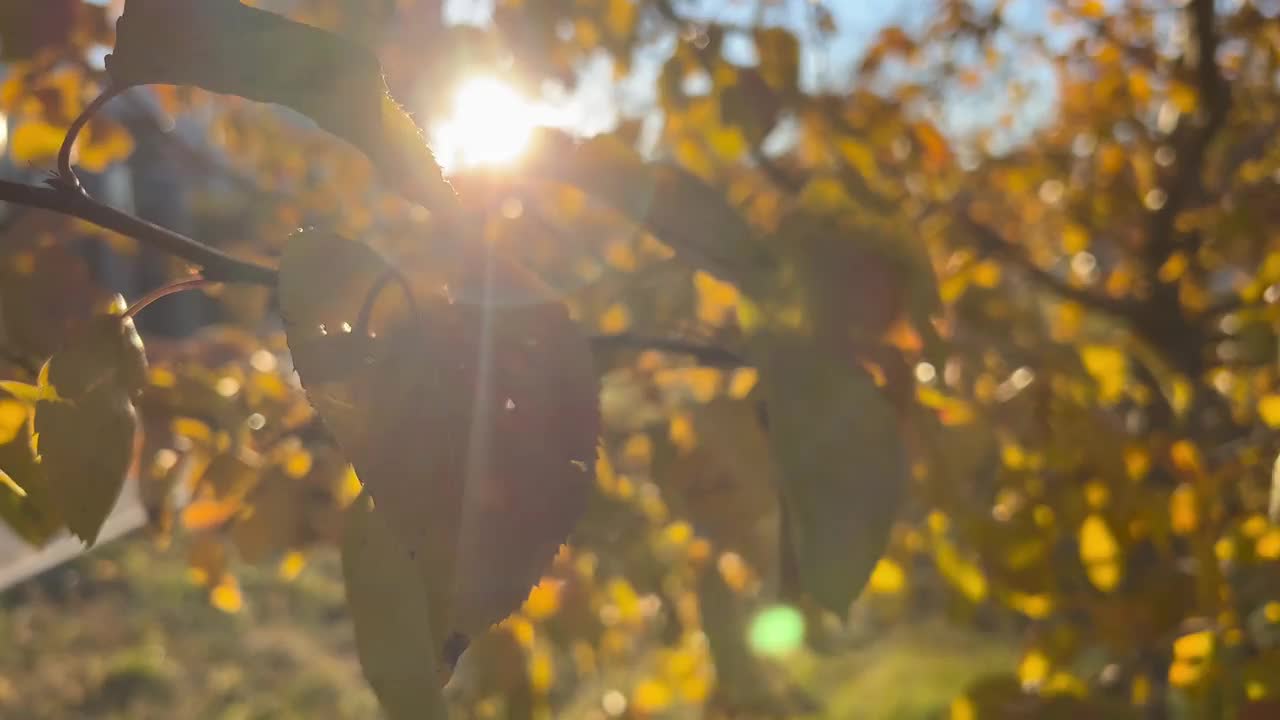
{"x": 123, "y": 633}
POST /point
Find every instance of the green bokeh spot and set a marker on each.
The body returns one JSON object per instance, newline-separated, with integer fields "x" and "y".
{"x": 777, "y": 630}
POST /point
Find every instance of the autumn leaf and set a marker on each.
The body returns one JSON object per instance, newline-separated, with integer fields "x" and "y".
{"x": 842, "y": 463}
{"x": 227, "y": 47}
{"x": 390, "y": 607}
{"x": 85, "y": 434}
{"x": 676, "y": 206}
{"x": 32, "y": 514}
{"x": 472, "y": 426}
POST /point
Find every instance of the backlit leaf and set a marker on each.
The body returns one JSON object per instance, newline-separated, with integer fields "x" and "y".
{"x": 390, "y": 607}
{"x": 842, "y": 460}
{"x": 472, "y": 426}
{"x": 227, "y": 47}
{"x": 86, "y": 436}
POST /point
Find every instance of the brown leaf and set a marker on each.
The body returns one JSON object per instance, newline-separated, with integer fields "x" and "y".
{"x": 473, "y": 427}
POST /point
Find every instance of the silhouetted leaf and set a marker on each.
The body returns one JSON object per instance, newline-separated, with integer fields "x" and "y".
{"x": 85, "y": 435}
{"x": 842, "y": 460}
{"x": 391, "y": 610}
{"x": 226, "y": 47}
{"x": 473, "y": 427}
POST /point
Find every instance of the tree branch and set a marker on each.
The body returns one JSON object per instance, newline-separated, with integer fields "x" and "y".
{"x": 220, "y": 267}
{"x": 991, "y": 242}
{"x": 216, "y": 265}
{"x": 1191, "y": 139}
{"x": 704, "y": 354}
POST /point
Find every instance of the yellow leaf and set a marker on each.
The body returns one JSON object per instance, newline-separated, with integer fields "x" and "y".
{"x": 651, "y": 696}
{"x": 13, "y": 418}
{"x": 226, "y": 595}
{"x": 1034, "y": 668}
{"x": 1268, "y": 546}
{"x": 1100, "y": 553}
{"x": 1196, "y": 646}
{"x": 1075, "y": 239}
{"x": 543, "y": 601}
{"x": 1093, "y": 8}
{"x": 291, "y": 565}
{"x": 35, "y": 142}
{"x": 622, "y": 256}
{"x": 1174, "y": 267}
{"x": 986, "y": 274}
{"x": 616, "y": 319}
{"x": 1034, "y": 606}
{"x": 298, "y": 464}
{"x": 621, "y": 17}
{"x": 349, "y": 488}
{"x": 1109, "y": 367}
{"x": 887, "y": 578}
{"x": 965, "y": 576}
{"x": 1139, "y": 85}
{"x": 98, "y": 150}
{"x": 1184, "y": 97}
{"x": 542, "y": 672}
{"x": 30, "y": 394}
{"x": 1271, "y": 611}
{"x": 192, "y": 429}
{"x": 1269, "y": 409}
{"x": 1186, "y": 456}
{"x": 742, "y": 382}
{"x": 1137, "y": 462}
{"x": 681, "y": 433}
{"x": 207, "y": 514}
{"x": 1184, "y": 512}
{"x": 716, "y": 299}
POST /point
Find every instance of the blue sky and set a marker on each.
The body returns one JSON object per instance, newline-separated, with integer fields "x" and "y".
{"x": 828, "y": 62}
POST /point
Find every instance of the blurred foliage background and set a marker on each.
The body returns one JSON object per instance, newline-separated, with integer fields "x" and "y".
{"x": 1043, "y": 225}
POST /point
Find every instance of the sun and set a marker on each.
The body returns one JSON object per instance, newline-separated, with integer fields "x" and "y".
{"x": 490, "y": 125}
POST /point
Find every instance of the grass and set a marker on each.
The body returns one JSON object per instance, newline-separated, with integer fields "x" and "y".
{"x": 123, "y": 633}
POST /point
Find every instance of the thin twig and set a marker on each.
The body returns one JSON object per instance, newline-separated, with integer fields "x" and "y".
{"x": 172, "y": 288}
{"x": 216, "y": 265}
{"x": 990, "y": 242}
{"x": 65, "y": 173}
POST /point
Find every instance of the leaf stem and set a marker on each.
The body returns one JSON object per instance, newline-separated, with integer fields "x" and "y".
{"x": 65, "y": 173}
{"x": 166, "y": 290}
